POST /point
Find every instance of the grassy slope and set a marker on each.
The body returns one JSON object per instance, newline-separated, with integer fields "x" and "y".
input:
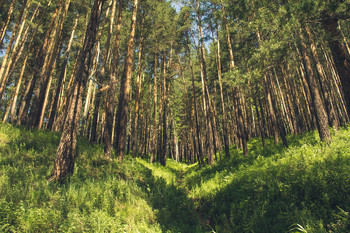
{"x": 304, "y": 188}
{"x": 101, "y": 196}
{"x": 272, "y": 190}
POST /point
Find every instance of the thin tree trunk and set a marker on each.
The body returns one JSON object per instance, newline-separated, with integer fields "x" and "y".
{"x": 198, "y": 132}
{"x": 330, "y": 111}
{"x": 48, "y": 66}
{"x": 135, "y": 126}
{"x": 4, "y": 28}
{"x": 61, "y": 78}
{"x": 262, "y": 121}
{"x": 41, "y": 54}
{"x": 5, "y": 65}
{"x": 163, "y": 153}
{"x": 155, "y": 83}
{"x": 111, "y": 97}
{"x": 206, "y": 98}
{"x": 224, "y": 125}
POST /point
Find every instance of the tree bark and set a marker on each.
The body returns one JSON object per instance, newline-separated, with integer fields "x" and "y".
{"x": 61, "y": 78}
{"x": 321, "y": 117}
{"x": 224, "y": 125}
{"x": 155, "y": 83}
{"x": 111, "y": 97}
{"x": 340, "y": 55}
{"x": 4, "y": 28}
{"x": 125, "y": 86}
{"x": 66, "y": 152}
{"x": 135, "y": 126}
{"x": 206, "y": 98}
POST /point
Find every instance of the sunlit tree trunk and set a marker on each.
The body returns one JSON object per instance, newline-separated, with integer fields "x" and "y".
{"x": 198, "y": 132}
{"x": 11, "y": 51}
{"x": 19, "y": 82}
{"x": 6, "y": 23}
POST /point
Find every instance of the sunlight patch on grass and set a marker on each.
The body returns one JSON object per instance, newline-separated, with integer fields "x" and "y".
{"x": 168, "y": 173}
{"x": 3, "y": 139}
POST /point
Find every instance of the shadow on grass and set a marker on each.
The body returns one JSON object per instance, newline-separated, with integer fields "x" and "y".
{"x": 272, "y": 199}
{"x": 175, "y": 211}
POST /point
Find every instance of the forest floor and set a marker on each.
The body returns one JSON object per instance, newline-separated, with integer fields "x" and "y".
{"x": 303, "y": 188}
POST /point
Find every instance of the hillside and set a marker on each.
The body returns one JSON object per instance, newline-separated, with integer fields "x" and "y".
{"x": 301, "y": 189}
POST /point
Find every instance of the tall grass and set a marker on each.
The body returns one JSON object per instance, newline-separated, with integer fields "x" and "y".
{"x": 101, "y": 196}
{"x": 304, "y": 188}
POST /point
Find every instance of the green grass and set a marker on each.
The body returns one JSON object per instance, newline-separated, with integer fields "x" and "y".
{"x": 304, "y": 188}
{"x": 101, "y": 196}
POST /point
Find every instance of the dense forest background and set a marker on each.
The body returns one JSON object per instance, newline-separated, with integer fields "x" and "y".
{"x": 193, "y": 81}
{"x": 148, "y": 80}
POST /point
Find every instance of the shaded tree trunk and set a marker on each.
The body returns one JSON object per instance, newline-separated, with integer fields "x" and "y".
{"x": 66, "y": 152}
{"x": 125, "y": 92}
{"x": 155, "y": 83}
{"x": 135, "y": 125}
{"x": 111, "y": 97}
{"x": 340, "y": 55}
{"x": 6, "y": 23}
{"x": 61, "y": 78}
{"x": 321, "y": 117}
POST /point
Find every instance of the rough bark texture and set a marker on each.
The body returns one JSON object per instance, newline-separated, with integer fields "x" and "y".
{"x": 66, "y": 152}
{"x": 321, "y": 117}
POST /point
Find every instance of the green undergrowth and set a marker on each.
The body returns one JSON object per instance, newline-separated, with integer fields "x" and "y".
{"x": 303, "y": 188}
{"x": 102, "y": 196}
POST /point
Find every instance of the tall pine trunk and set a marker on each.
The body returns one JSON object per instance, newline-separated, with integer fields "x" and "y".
{"x": 111, "y": 97}
{"x": 341, "y": 56}
{"x": 125, "y": 89}
{"x": 321, "y": 117}
{"x": 66, "y": 152}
